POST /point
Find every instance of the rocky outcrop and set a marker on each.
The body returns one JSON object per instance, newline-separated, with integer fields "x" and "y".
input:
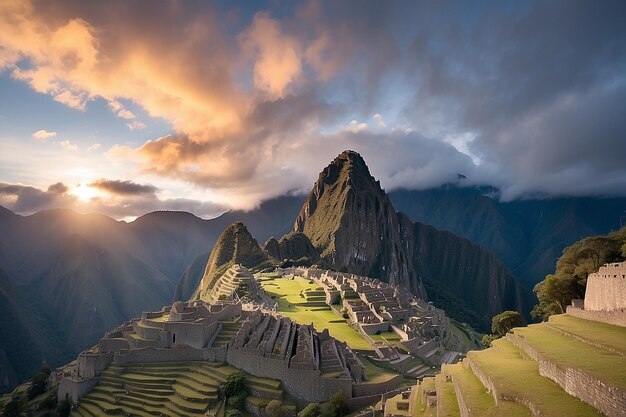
{"x": 292, "y": 246}
{"x": 234, "y": 246}
{"x": 350, "y": 221}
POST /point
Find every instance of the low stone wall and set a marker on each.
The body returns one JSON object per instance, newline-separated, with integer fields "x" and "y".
{"x": 305, "y": 384}
{"x": 151, "y": 354}
{"x": 75, "y": 388}
{"x": 373, "y": 328}
{"x": 608, "y": 399}
{"x": 615, "y": 317}
{"x": 459, "y": 395}
{"x": 376, "y": 388}
{"x": 482, "y": 377}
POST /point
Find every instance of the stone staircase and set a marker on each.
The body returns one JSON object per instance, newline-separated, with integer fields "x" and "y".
{"x": 566, "y": 367}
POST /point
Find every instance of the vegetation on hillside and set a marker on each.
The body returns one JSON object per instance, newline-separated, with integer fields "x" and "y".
{"x": 569, "y": 280}
{"x": 501, "y": 324}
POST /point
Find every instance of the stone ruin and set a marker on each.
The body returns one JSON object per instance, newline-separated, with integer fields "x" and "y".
{"x": 375, "y": 306}
{"x": 311, "y": 365}
{"x": 236, "y": 282}
{"x": 605, "y": 296}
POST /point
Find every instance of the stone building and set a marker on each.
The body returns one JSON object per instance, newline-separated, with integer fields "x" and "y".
{"x": 605, "y": 296}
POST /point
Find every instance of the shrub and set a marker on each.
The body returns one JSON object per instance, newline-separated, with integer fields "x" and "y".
{"x": 64, "y": 408}
{"x": 238, "y": 401}
{"x": 311, "y": 410}
{"x": 13, "y": 408}
{"x": 231, "y": 412}
{"x": 274, "y": 408}
{"x": 38, "y": 382}
{"x": 336, "y": 406}
{"x": 234, "y": 384}
{"x": 505, "y": 321}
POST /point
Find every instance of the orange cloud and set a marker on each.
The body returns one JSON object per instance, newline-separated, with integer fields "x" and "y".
{"x": 276, "y": 56}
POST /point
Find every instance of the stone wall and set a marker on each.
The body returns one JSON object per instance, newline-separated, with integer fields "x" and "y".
{"x": 151, "y": 354}
{"x": 615, "y": 317}
{"x": 375, "y": 388}
{"x": 75, "y": 388}
{"x": 90, "y": 364}
{"x": 608, "y": 399}
{"x": 605, "y": 293}
{"x": 305, "y": 384}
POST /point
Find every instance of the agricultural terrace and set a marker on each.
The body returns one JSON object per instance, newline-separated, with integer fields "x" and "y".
{"x": 304, "y": 302}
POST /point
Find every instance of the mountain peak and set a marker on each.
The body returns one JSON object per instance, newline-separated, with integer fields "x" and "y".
{"x": 234, "y": 246}
{"x": 352, "y": 224}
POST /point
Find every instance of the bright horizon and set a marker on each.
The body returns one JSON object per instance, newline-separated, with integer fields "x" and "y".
{"x": 200, "y": 107}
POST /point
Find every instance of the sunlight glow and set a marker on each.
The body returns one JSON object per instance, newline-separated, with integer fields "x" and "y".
{"x": 84, "y": 192}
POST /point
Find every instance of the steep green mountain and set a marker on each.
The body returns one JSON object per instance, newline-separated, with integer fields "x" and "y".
{"x": 527, "y": 235}
{"x": 234, "y": 246}
{"x": 351, "y": 222}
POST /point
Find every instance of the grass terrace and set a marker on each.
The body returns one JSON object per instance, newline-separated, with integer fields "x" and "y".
{"x": 300, "y": 300}
{"x": 515, "y": 375}
{"x": 169, "y": 389}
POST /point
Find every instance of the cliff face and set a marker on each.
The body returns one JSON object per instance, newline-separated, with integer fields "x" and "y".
{"x": 351, "y": 222}
{"x": 234, "y": 246}
{"x": 463, "y": 278}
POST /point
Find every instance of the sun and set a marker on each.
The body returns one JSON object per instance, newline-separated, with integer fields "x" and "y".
{"x": 84, "y": 192}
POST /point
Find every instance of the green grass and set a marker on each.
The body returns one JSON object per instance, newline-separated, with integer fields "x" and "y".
{"x": 375, "y": 373}
{"x": 168, "y": 389}
{"x": 478, "y": 400}
{"x": 292, "y": 302}
{"x": 447, "y": 405}
{"x": 516, "y": 375}
{"x": 568, "y": 352}
{"x": 612, "y": 337}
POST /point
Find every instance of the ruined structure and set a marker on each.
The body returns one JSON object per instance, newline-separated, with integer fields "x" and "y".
{"x": 605, "y": 296}
{"x": 375, "y": 306}
{"x": 311, "y": 365}
{"x": 237, "y": 281}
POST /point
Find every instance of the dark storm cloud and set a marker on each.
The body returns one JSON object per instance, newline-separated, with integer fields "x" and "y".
{"x": 123, "y": 187}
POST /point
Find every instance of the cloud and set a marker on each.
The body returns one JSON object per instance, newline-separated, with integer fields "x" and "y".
{"x": 68, "y": 145}
{"x": 93, "y": 147}
{"x": 126, "y": 204}
{"x": 135, "y": 125}
{"x": 27, "y": 200}
{"x": 43, "y": 134}
{"x": 123, "y": 187}
{"x": 126, "y": 114}
{"x": 259, "y": 102}
{"x": 354, "y": 126}
{"x": 276, "y": 56}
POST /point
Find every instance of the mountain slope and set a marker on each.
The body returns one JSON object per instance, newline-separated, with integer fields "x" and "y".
{"x": 234, "y": 246}
{"x": 527, "y": 235}
{"x": 351, "y": 222}
{"x": 91, "y": 289}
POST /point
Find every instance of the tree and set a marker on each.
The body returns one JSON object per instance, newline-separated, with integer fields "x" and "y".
{"x": 235, "y": 383}
{"x": 311, "y": 410}
{"x": 569, "y": 280}
{"x": 487, "y": 339}
{"x": 505, "y": 321}
{"x": 274, "y": 408}
{"x": 336, "y": 406}
{"x": 38, "y": 382}
{"x": 64, "y": 408}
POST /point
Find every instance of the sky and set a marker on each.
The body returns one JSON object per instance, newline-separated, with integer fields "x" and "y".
{"x": 128, "y": 107}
